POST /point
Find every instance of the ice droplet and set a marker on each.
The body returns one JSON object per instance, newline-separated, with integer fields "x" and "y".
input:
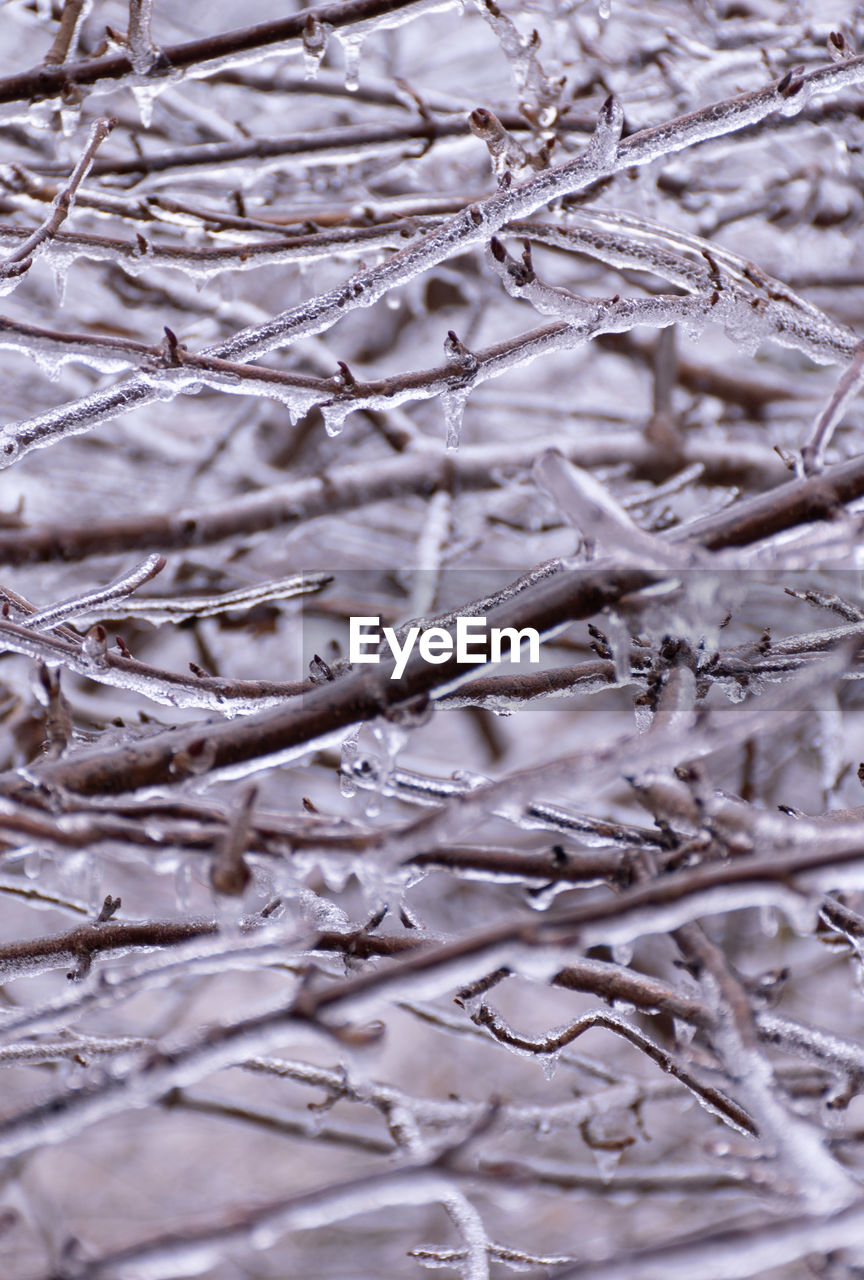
{"x": 543, "y": 898}
{"x": 684, "y": 1033}
{"x": 334, "y": 416}
{"x": 735, "y": 691}
{"x": 33, "y": 864}
{"x": 744, "y": 331}
{"x": 607, "y": 1162}
{"x": 50, "y": 367}
{"x": 604, "y": 9}
{"x": 263, "y": 1236}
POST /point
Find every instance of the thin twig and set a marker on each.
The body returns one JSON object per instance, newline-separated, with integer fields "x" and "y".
{"x": 21, "y": 259}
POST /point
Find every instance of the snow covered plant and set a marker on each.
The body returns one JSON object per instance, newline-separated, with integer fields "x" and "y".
{"x": 337, "y": 345}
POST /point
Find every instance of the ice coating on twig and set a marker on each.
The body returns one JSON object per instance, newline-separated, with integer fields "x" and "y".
{"x": 16, "y": 265}
{"x": 596, "y": 514}
{"x": 91, "y": 601}
{"x": 471, "y": 227}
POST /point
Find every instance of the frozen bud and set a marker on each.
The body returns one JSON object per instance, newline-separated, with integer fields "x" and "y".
{"x": 839, "y": 48}
{"x": 95, "y": 645}
{"x": 486, "y": 125}
{"x": 314, "y": 37}
{"x": 319, "y": 670}
{"x": 197, "y": 757}
{"x": 230, "y": 878}
{"x": 613, "y": 1130}
{"x": 456, "y": 350}
{"x": 601, "y": 150}
{"x": 229, "y": 873}
{"x": 791, "y": 82}
{"x": 109, "y": 908}
{"x": 411, "y": 714}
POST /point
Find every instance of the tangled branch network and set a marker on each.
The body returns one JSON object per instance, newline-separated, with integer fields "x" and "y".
{"x": 431, "y": 635}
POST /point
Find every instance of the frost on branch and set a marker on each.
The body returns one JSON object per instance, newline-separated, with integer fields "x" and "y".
{"x": 545, "y": 319}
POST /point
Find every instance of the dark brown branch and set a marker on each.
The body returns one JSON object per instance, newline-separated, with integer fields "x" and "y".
{"x": 79, "y": 946}
{"x": 50, "y": 81}
{"x": 712, "y": 1098}
{"x": 797, "y": 502}
{"x": 331, "y": 707}
{"x": 351, "y": 487}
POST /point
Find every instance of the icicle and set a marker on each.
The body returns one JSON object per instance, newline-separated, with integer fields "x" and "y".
{"x": 70, "y": 118}
{"x": 61, "y": 274}
{"x": 549, "y": 1065}
{"x": 643, "y": 716}
{"x": 454, "y": 409}
{"x": 351, "y": 49}
{"x": 618, "y": 635}
{"x": 145, "y": 95}
{"x": 314, "y": 46}
{"x": 350, "y": 752}
{"x": 802, "y": 912}
{"x": 391, "y": 738}
{"x": 607, "y": 1162}
{"x": 604, "y": 10}
{"x": 183, "y": 885}
{"x": 95, "y": 885}
{"x": 830, "y": 743}
{"x": 746, "y": 334}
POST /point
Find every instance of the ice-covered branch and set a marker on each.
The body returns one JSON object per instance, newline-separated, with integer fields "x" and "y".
{"x": 19, "y": 262}
{"x": 92, "y": 601}
{"x": 731, "y": 1254}
{"x": 210, "y": 54}
{"x": 92, "y": 659}
{"x": 813, "y": 452}
{"x": 473, "y": 226}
